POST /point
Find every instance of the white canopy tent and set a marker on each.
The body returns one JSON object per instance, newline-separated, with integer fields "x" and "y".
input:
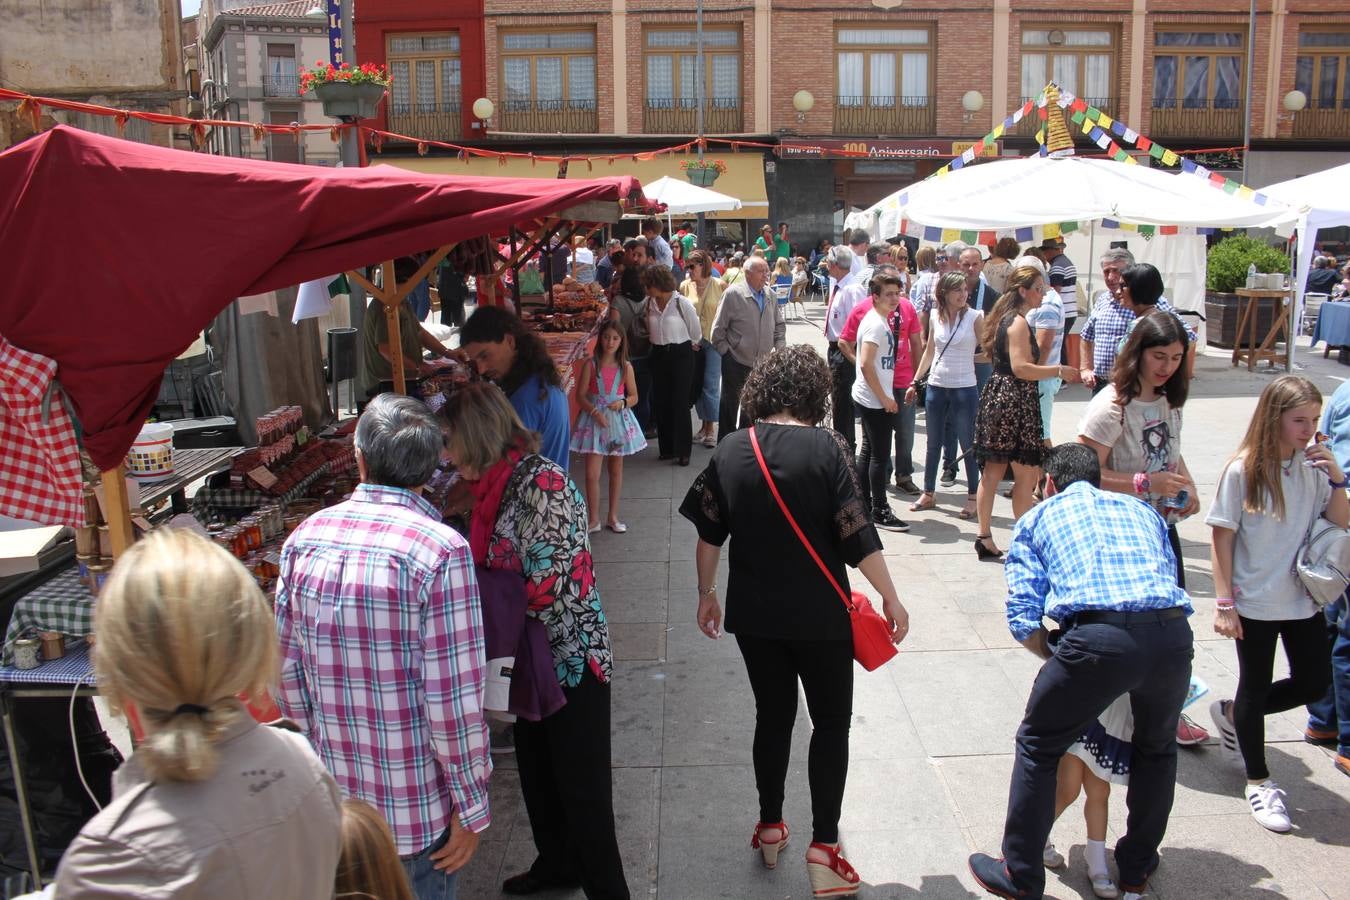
{"x": 1036, "y": 191}
{"x": 1320, "y": 200}
{"x": 684, "y": 199}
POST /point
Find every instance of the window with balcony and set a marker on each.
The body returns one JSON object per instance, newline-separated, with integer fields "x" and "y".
{"x": 1322, "y": 73}
{"x": 284, "y": 146}
{"x": 1082, "y": 61}
{"x": 1197, "y": 83}
{"x": 281, "y": 78}
{"x": 548, "y": 81}
{"x": 425, "y": 95}
{"x": 883, "y": 79}
{"x": 671, "y": 90}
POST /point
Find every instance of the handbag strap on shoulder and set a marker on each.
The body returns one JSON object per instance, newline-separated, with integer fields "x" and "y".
{"x": 773, "y": 489}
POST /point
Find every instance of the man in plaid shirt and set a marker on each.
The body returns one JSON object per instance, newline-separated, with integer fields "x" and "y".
{"x": 382, "y": 649}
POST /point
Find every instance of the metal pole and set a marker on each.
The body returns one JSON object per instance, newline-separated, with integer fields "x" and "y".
{"x": 1247, "y": 98}
{"x": 700, "y": 99}
{"x": 350, "y": 150}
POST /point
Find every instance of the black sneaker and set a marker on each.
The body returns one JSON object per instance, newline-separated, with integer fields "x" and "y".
{"x": 884, "y": 518}
{"x": 948, "y": 477}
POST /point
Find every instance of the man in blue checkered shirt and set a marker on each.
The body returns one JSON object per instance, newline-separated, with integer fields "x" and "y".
{"x": 1099, "y": 564}
{"x": 1110, "y": 322}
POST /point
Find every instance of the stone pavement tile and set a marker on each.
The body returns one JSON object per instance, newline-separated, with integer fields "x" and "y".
{"x": 961, "y": 702}
{"x": 992, "y": 628}
{"x": 637, "y": 708}
{"x": 644, "y": 508}
{"x": 1230, "y": 856}
{"x": 482, "y": 877}
{"x": 897, "y": 795}
{"x": 637, "y": 821}
{"x": 683, "y": 539}
{"x": 932, "y": 630}
{"x": 915, "y": 862}
{"x": 504, "y": 798}
{"x": 632, "y": 591}
{"x": 881, "y": 727}
{"x": 639, "y": 641}
{"x": 647, "y": 540}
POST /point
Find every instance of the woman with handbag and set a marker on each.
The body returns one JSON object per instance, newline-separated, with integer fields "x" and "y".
{"x": 1270, "y": 495}
{"x": 946, "y": 379}
{"x": 529, "y": 519}
{"x": 786, "y": 608}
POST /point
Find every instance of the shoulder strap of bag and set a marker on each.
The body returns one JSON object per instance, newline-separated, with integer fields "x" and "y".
{"x": 773, "y": 489}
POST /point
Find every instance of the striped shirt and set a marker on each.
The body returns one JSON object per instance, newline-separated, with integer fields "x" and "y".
{"x": 1088, "y": 549}
{"x": 383, "y": 662}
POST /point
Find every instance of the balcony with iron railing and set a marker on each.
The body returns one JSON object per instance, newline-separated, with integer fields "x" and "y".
{"x": 427, "y": 121}
{"x": 285, "y": 86}
{"x": 1191, "y": 118}
{"x": 1032, "y": 121}
{"x": 549, "y": 116}
{"x": 884, "y": 115}
{"x": 678, "y": 115}
{"x": 1326, "y": 122}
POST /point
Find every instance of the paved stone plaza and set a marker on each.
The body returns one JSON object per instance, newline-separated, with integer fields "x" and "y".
{"x": 932, "y": 731}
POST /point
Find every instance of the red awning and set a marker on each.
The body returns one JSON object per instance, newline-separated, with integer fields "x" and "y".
{"x": 116, "y": 254}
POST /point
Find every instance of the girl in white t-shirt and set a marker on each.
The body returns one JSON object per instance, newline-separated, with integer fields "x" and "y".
{"x": 1268, "y": 497}
{"x": 951, "y": 398}
{"x": 874, "y": 394}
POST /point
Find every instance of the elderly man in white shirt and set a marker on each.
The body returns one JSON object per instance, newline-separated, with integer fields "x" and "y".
{"x": 845, "y": 292}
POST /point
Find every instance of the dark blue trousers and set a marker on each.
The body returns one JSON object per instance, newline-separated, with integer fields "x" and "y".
{"x": 1093, "y": 664}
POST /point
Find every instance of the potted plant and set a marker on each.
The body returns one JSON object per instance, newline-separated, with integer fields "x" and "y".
{"x": 703, "y": 172}
{"x": 1225, "y": 272}
{"x": 346, "y": 91}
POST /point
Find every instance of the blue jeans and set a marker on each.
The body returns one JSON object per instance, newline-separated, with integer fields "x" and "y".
{"x": 427, "y": 882}
{"x": 710, "y": 396}
{"x": 983, "y": 372}
{"x": 1047, "y": 389}
{"x": 420, "y": 298}
{"x": 955, "y": 405}
{"x": 1332, "y": 712}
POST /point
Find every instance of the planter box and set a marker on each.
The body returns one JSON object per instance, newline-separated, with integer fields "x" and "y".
{"x": 349, "y": 101}
{"x": 701, "y": 177}
{"x": 1221, "y": 313}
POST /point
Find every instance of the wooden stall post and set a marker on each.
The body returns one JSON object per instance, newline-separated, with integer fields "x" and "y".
{"x": 391, "y": 295}
{"x": 116, "y": 509}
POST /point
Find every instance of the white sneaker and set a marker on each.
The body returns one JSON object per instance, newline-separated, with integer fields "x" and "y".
{"x": 1103, "y": 886}
{"x": 1218, "y": 711}
{"x": 1267, "y": 801}
{"x": 1052, "y": 858}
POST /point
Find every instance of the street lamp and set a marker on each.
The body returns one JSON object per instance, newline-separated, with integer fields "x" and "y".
{"x": 482, "y": 110}
{"x": 803, "y": 102}
{"x": 972, "y": 102}
{"x": 1295, "y": 101}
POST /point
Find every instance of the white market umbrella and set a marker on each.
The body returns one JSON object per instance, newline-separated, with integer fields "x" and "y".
{"x": 1017, "y": 193}
{"x": 684, "y": 199}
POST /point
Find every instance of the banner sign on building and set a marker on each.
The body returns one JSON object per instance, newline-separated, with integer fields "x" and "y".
{"x": 335, "y": 48}
{"x": 869, "y": 149}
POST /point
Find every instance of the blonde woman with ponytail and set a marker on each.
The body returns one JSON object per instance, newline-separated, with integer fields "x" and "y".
{"x": 184, "y": 633}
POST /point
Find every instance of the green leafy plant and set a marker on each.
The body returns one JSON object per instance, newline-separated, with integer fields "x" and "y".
{"x": 1226, "y": 268}
{"x": 327, "y": 73}
{"x": 715, "y": 164}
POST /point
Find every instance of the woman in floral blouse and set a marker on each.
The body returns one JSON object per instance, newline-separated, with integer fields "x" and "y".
{"x": 530, "y": 518}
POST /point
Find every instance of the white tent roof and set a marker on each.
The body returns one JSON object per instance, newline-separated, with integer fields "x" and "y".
{"x": 684, "y": 199}
{"x": 1030, "y": 191}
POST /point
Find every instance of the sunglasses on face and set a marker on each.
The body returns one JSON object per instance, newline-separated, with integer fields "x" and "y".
{"x": 941, "y": 258}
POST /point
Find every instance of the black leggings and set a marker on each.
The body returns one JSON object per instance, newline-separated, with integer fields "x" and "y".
{"x": 1305, "y": 644}
{"x": 826, "y": 672}
{"x": 878, "y": 426}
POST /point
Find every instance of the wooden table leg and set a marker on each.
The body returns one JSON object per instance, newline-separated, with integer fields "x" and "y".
{"x": 1279, "y": 323}
{"x": 1244, "y": 310}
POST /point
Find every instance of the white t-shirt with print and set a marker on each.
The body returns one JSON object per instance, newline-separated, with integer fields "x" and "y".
{"x": 1265, "y": 585}
{"x": 873, "y": 329}
{"x": 1143, "y": 437}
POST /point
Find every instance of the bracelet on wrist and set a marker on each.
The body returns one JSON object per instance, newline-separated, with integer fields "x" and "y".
{"x": 1224, "y": 602}
{"x": 1141, "y": 482}
{"x": 703, "y": 592}
{"x": 1345, "y": 480}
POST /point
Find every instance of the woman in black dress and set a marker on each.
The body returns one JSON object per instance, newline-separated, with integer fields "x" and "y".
{"x": 1008, "y": 424}
{"x": 789, "y": 622}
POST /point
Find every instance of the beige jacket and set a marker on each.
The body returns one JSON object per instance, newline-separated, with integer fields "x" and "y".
{"x": 267, "y": 824}
{"x": 745, "y": 331}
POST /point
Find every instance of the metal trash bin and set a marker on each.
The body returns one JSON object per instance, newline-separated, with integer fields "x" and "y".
{"x": 342, "y": 344}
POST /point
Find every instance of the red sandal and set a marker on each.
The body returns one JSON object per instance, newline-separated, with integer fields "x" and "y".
{"x": 837, "y": 879}
{"x": 769, "y": 851}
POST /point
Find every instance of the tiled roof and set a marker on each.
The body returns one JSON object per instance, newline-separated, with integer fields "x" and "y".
{"x": 292, "y": 9}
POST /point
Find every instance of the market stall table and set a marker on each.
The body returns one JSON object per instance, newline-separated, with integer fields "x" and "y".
{"x": 1333, "y": 326}
{"x": 1245, "y": 346}
{"x": 62, "y": 604}
{"x": 71, "y": 675}
{"x": 188, "y": 466}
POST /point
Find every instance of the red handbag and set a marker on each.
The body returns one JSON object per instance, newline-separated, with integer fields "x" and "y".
{"x": 872, "y": 646}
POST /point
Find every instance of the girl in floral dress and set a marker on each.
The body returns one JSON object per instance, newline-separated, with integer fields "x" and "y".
{"x": 606, "y": 428}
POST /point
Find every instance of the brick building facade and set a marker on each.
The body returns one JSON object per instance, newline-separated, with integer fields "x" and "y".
{"x": 617, "y": 76}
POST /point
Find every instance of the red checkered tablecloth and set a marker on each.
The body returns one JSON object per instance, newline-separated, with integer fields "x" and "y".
{"x": 39, "y": 456}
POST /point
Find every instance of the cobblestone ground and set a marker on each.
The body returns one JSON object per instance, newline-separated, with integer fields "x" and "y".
{"x": 932, "y": 731}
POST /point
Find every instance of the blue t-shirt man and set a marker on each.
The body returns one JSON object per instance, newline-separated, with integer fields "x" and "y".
{"x": 543, "y": 408}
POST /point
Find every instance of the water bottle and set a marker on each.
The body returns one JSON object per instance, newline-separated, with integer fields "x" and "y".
{"x": 1251, "y": 275}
